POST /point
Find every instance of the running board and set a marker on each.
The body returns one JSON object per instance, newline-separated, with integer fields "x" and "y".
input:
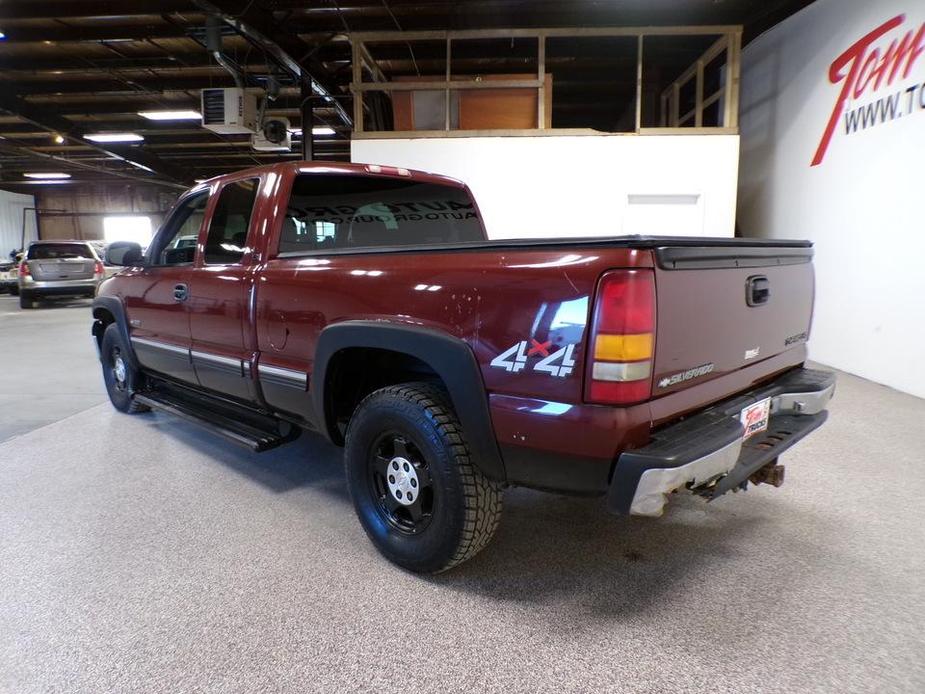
{"x": 253, "y": 431}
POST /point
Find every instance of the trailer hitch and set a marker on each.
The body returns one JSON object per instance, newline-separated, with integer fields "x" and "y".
{"x": 772, "y": 474}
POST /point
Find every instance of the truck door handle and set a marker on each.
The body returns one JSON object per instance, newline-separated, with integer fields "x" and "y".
{"x": 757, "y": 290}
{"x": 180, "y": 292}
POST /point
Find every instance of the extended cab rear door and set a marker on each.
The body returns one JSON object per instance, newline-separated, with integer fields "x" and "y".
{"x": 220, "y": 283}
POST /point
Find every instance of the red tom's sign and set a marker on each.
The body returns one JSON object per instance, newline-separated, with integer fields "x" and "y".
{"x": 867, "y": 66}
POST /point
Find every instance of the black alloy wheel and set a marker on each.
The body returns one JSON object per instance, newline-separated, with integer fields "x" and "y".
{"x": 401, "y": 482}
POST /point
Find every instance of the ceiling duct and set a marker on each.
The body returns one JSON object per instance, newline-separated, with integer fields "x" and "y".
{"x": 214, "y": 46}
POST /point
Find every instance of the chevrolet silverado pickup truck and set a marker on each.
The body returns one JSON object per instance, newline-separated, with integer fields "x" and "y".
{"x": 367, "y": 303}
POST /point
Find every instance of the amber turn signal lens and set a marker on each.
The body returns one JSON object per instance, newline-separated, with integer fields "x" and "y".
{"x": 623, "y": 347}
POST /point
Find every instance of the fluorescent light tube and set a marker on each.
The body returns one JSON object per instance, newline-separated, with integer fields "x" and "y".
{"x": 114, "y": 137}
{"x": 170, "y": 115}
{"x": 50, "y": 175}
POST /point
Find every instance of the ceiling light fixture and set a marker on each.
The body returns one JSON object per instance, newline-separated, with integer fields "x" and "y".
{"x": 171, "y": 115}
{"x": 322, "y": 130}
{"x": 114, "y": 137}
{"x": 59, "y": 139}
{"x": 47, "y": 175}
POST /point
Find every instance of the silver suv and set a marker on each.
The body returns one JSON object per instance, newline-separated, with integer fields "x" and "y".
{"x": 59, "y": 268}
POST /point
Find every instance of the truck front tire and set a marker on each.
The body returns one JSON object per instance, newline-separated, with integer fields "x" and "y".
{"x": 419, "y": 497}
{"x": 121, "y": 378}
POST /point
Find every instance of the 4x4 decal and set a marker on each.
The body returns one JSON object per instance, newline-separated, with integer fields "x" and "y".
{"x": 559, "y": 363}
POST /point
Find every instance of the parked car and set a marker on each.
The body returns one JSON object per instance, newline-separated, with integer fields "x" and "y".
{"x": 9, "y": 276}
{"x": 58, "y": 268}
{"x": 9, "y": 273}
{"x": 367, "y": 303}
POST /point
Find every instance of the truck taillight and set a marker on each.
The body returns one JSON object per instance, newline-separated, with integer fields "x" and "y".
{"x": 98, "y": 268}
{"x": 622, "y": 346}
{"x": 23, "y": 269}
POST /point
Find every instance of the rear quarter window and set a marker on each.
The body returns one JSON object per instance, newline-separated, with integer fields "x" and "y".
{"x": 328, "y": 212}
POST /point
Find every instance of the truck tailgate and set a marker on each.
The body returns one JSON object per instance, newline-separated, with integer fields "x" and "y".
{"x": 722, "y": 309}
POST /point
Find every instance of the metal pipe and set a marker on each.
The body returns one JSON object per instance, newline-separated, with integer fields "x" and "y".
{"x": 214, "y": 46}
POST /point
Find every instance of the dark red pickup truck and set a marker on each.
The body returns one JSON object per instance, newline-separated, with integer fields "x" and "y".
{"x": 366, "y": 303}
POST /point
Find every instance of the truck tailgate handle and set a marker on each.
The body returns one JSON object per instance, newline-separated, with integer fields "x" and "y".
{"x": 180, "y": 292}
{"x": 757, "y": 290}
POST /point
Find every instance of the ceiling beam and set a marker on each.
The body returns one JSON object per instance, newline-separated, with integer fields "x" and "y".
{"x": 85, "y": 8}
{"x": 58, "y": 124}
{"x": 8, "y": 148}
{"x": 255, "y": 23}
{"x": 19, "y": 36}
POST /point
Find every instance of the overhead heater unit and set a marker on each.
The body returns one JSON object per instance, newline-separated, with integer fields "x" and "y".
{"x": 273, "y": 136}
{"x": 230, "y": 111}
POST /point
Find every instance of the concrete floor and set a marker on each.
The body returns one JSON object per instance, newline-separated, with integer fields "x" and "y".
{"x": 50, "y": 370}
{"x": 139, "y": 554}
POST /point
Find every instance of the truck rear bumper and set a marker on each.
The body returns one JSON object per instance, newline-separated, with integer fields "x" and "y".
{"x": 707, "y": 453}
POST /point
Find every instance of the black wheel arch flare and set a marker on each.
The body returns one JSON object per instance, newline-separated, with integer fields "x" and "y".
{"x": 114, "y": 307}
{"x": 449, "y": 357}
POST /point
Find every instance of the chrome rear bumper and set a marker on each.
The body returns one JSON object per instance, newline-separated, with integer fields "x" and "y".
{"x": 707, "y": 453}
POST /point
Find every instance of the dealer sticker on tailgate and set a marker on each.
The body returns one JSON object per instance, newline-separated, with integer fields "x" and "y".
{"x": 755, "y": 417}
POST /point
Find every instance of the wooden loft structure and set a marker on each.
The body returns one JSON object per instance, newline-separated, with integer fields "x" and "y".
{"x": 701, "y": 99}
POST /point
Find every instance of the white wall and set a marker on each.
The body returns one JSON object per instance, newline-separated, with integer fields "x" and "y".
{"x": 582, "y": 185}
{"x": 862, "y": 204}
{"x": 11, "y": 209}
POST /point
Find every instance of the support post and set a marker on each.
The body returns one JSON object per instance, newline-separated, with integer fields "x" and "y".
{"x": 675, "y": 105}
{"x": 731, "y": 91}
{"x": 639, "y": 84}
{"x": 357, "y": 79}
{"x": 307, "y": 112}
{"x": 541, "y": 76}
{"x": 449, "y": 72}
{"x": 698, "y": 97}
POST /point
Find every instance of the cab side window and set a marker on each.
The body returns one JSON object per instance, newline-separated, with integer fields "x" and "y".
{"x": 175, "y": 244}
{"x": 228, "y": 228}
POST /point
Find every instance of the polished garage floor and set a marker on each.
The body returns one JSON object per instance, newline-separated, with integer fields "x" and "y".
{"x": 138, "y": 554}
{"x": 48, "y": 368}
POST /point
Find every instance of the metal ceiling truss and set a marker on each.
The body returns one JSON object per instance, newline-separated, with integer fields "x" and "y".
{"x": 54, "y": 123}
{"x": 254, "y": 22}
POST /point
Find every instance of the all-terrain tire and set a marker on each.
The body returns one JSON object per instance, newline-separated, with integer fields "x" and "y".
{"x": 121, "y": 391}
{"x": 465, "y": 505}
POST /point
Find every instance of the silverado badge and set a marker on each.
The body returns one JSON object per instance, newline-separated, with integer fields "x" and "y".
{"x": 697, "y": 371}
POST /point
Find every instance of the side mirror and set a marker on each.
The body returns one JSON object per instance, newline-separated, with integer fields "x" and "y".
{"x": 124, "y": 253}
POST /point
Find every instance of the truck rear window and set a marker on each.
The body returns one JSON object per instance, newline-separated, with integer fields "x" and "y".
{"x": 328, "y": 212}
{"x": 50, "y": 251}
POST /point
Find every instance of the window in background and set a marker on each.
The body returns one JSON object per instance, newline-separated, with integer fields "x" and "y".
{"x": 134, "y": 228}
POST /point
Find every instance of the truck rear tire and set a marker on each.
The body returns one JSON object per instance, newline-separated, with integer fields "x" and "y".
{"x": 419, "y": 497}
{"x": 121, "y": 378}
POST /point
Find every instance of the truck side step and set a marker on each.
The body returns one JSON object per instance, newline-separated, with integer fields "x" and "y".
{"x": 239, "y": 425}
